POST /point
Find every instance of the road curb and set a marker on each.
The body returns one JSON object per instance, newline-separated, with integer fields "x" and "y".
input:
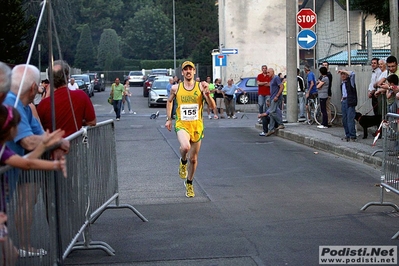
{"x": 330, "y": 147}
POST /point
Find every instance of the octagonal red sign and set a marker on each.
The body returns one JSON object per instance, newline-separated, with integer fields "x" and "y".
{"x": 306, "y": 18}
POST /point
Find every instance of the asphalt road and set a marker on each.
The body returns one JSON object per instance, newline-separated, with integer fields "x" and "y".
{"x": 259, "y": 201}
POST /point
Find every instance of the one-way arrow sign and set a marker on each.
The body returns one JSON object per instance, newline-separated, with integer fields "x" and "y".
{"x": 229, "y": 51}
{"x": 307, "y": 39}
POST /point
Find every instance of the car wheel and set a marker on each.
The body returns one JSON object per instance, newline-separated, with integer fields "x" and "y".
{"x": 243, "y": 98}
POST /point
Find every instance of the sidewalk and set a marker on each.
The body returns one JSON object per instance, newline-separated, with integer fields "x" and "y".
{"x": 330, "y": 140}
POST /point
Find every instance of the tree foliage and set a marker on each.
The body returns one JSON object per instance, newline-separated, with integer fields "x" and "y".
{"x": 144, "y": 27}
{"x": 14, "y": 27}
{"x": 380, "y": 9}
{"x": 84, "y": 58}
{"x": 108, "y": 49}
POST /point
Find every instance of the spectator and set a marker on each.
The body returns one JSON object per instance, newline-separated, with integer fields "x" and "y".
{"x": 73, "y": 108}
{"x": 228, "y": 93}
{"x": 39, "y": 95}
{"x": 301, "y": 96}
{"x": 348, "y": 103}
{"x": 311, "y": 92}
{"x": 276, "y": 89}
{"x": 392, "y": 65}
{"x": 376, "y": 95}
{"x": 117, "y": 91}
{"x": 5, "y": 81}
{"x": 266, "y": 119}
{"x": 263, "y": 81}
{"x": 328, "y": 104}
{"x": 72, "y": 85}
{"x": 212, "y": 90}
{"x": 168, "y": 87}
{"x": 126, "y": 98}
{"x": 322, "y": 86}
{"x": 218, "y": 94}
{"x": 30, "y": 135}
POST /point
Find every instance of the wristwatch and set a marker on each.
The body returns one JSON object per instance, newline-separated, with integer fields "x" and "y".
{"x": 167, "y": 118}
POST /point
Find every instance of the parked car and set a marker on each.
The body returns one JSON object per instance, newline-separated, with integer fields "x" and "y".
{"x": 159, "y": 71}
{"x": 82, "y": 86}
{"x": 250, "y": 86}
{"x": 147, "y": 84}
{"x": 136, "y": 78}
{"x": 98, "y": 85}
{"x": 86, "y": 79}
{"x": 158, "y": 94}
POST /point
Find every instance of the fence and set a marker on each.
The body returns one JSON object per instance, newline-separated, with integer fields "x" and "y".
{"x": 47, "y": 211}
{"x": 390, "y": 163}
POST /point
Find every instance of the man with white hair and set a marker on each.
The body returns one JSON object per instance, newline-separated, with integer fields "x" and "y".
{"x": 72, "y": 85}
{"x": 30, "y": 134}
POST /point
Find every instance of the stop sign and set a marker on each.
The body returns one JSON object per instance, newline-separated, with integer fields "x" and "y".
{"x": 306, "y": 18}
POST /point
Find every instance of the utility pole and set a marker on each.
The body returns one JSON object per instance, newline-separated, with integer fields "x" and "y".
{"x": 349, "y": 33}
{"x": 291, "y": 32}
{"x": 394, "y": 31}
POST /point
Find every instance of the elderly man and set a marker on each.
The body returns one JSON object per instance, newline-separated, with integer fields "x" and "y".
{"x": 348, "y": 103}
{"x": 276, "y": 90}
{"x": 73, "y": 109}
{"x": 72, "y": 85}
{"x": 29, "y": 136}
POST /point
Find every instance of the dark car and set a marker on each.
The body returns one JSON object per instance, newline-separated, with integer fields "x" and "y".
{"x": 83, "y": 86}
{"x": 250, "y": 86}
{"x": 147, "y": 84}
{"x": 86, "y": 79}
{"x": 98, "y": 85}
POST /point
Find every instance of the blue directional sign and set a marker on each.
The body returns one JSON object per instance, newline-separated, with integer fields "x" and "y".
{"x": 229, "y": 51}
{"x": 307, "y": 39}
{"x": 220, "y": 60}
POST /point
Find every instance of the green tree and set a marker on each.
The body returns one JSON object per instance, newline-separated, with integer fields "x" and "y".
{"x": 202, "y": 52}
{"x": 14, "y": 28}
{"x": 84, "y": 50}
{"x": 108, "y": 49}
{"x": 378, "y": 8}
{"x": 149, "y": 35}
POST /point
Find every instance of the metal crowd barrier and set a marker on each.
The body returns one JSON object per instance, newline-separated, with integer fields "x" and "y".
{"x": 390, "y": 163}
{"x": 47, "y": 211}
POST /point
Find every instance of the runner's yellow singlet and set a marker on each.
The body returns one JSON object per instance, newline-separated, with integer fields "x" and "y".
{"x": 189, "y": 111}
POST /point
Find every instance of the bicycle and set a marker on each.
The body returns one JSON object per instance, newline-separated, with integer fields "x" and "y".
{"x": 313, "y": 112}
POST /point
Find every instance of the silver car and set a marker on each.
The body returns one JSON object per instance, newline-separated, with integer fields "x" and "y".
{"x": 136, "y": 78}
{"x": 158, "y": 94}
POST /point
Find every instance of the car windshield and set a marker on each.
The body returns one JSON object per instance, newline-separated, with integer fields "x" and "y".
{"x": 81, "y": 77}
{"x": 159, "y": 85}
{"x": 135, "y": 73}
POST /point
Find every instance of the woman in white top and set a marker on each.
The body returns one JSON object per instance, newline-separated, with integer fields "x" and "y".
{"x": 126, "y": 98}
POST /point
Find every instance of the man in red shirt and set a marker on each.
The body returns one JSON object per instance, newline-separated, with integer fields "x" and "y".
{"x": 73, "y": 109}
{"x": 263, "y": 89}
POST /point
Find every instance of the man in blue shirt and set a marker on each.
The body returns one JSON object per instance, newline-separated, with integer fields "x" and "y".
{"x": 276, "y": 90}
{"x": 228, "y": 93}
{"x": 311, "y": 92}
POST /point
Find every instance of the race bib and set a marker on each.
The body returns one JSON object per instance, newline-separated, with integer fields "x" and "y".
{"x": 189, "y": 112}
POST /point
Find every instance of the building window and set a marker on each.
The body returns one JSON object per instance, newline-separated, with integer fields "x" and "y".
{"x": 332, "y": 10}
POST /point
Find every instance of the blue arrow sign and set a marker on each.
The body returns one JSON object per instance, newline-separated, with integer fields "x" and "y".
{"x": 229, "y": 51}
{"x": 307, "y": 39}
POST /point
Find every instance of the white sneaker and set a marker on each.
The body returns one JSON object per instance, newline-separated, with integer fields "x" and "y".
{"x": 123, "y": 112}
{"x": 234, "y": 117}
{"x": 209, "y": 116}
{"x": 130, "y": 112}
{"x": 321, "y": 126}
{"x": 134, "y": 113}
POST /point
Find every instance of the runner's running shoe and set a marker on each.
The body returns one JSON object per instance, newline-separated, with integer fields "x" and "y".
{"x": 189, "y": 190}
{"x": 183, "y": 170}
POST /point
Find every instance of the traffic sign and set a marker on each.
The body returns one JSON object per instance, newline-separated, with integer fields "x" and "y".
{"x": 307, "y": 39}
{"x": 306, "y": 18}
{"x": 229, "y": 51}
{"x": 220, "y": 60}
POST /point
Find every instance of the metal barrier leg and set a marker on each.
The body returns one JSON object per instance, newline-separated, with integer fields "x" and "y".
{"x": 88, "y": 244}
{"x": 395, "y": 236}
{"x": 381, "y": 202}
{"x": 98, "y": 213}
{"x": 375, "y": 152}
